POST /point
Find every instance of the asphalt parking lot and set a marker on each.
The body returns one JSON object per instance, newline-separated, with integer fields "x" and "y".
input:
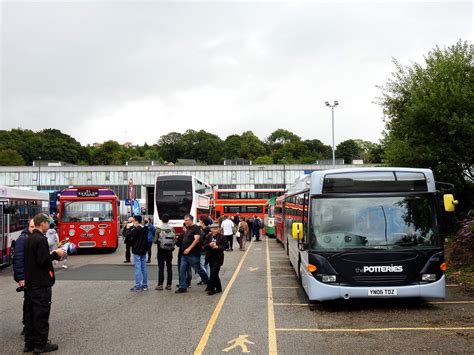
{"x": 262, "y": 310}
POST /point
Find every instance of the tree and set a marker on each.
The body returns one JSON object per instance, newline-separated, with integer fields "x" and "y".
{"x": 171, "y": 146}
{"x": 429, "y": 113}
{"x": 10, "y": 157}
{"x": 348, "y": 150}
{"x": 263, "y": 160}
{"x": 251, "y": 146}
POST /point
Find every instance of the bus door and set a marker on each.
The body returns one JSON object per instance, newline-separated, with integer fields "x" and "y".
{"x": 303, "y": 206}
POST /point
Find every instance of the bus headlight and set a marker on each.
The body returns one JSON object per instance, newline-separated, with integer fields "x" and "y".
{"x": 428, "y": 277}
{"x": 104, "y": 243}
{"x": 329, "y": 278}
{"x": 72, "y": 232}
{"x": 101, "y": 232}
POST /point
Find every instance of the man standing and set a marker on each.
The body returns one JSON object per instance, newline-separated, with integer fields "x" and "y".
{"x": 126, "y": 239}
{"x": 215, "y": 245}
{"x": 256, "y": 226}
{"x": 151, "y": 236}
{"x": 228, "y": 231}
{"x": 191, "y": 253}
{"x": 165, "y": 237}
{"x": 139, "y": 241}
{"x": 39, "y": 278}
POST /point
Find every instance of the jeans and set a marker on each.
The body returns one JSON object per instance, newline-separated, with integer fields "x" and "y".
{"x": 189, "y": 273}
{"x": 165, "y": 256}
{"x": 194, "y": 261}
{"x": 203, "y": 264}
{"x": 140, "y": 271}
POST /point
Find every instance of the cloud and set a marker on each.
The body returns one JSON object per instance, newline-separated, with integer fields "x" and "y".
{"x": 136, "y": 71}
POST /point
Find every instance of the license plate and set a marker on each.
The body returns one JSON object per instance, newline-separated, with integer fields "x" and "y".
{"x": 382, "y": 292}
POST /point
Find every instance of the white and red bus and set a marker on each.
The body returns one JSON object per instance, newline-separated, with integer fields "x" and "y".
{"x": 178, "y": 195}
{"x": 89, "y": 217}
{"x": 16, "y": 207}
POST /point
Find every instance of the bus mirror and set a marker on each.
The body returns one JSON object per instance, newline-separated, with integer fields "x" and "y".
{"x": 297, "y": 230}
{"x": 449, "y": 203}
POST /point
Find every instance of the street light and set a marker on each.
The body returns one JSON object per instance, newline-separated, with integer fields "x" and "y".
{"x": 333, "y": 146}
{"x": 39, "y": 173}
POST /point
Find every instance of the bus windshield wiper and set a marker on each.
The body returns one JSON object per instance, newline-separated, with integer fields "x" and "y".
{"x": 407, "y": 244}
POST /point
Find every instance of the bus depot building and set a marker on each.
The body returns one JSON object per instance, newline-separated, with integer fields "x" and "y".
{"x": 142, "y": 178}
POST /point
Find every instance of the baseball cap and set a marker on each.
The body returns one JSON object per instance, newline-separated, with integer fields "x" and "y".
{"x": 214, "y": 225}
{"x": 40, "y": 218}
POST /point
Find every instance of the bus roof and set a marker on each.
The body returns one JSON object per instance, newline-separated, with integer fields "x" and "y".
{"x": 316, "y": 180}
{"x": 7, "y": 193}
{"x": 89, "y": 191}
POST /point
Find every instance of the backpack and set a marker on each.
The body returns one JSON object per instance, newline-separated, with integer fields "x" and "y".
{"x": 167, "y": 239}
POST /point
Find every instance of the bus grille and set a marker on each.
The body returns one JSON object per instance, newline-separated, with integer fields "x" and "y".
{"x": 86, "y": 244}
{"x": 380, "y": 278}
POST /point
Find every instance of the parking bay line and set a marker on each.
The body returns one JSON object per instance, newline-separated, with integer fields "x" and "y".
{"x": 272, "y": 341}
{"x": 212, "y": 321}
{"x": 355, "y": 330}
{"x": 309, "y": 304}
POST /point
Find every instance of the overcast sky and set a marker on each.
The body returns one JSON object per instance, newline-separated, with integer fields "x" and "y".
{"x": 133, "y": 71}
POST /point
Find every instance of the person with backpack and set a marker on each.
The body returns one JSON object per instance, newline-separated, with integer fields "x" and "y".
{"x": 150, "y": 237}
{"x": 243, "y": 230}
{"x": 165, "y": 238}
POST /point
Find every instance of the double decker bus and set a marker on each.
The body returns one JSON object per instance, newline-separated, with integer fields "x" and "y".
{"x": 179, "y": 195}
{"x": 269, "y": 217}
{"x": 247, "y": 203}
{"x": 278, "y": 219}
{"x": 366, "y": 233}
{"x": 16, "y": 207}
{"x": 89, "y": 216}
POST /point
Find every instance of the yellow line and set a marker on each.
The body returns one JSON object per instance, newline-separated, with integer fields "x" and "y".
{"x": 272, "y": 341}
{"x": 370, "y": 329}
{"x": 286, "y": 287}
{"x": 293, "y": 304}
{"x": 452, "y": 302}
{"x": 210, "y": 325}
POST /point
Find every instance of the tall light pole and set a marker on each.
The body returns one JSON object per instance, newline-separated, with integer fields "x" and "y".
{"x": 333, "y": 146}
{"x": 39, "y": 173}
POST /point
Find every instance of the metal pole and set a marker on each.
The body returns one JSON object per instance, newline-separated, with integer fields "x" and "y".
{"x": 39, "y": 176}
{"x": 333, "y": 147}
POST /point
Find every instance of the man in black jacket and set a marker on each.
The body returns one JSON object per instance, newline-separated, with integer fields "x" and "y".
{"x": 39, "y": 278}
{"x": 139, "y": 241}
{"x": 19, "y": 262}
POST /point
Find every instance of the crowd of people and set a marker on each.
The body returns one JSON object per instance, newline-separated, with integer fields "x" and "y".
{"x": 201, "y": 248}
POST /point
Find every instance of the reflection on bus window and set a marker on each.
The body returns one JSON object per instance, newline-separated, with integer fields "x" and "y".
{"x": 87, "y": 211}
{"x": 380, "y": 221}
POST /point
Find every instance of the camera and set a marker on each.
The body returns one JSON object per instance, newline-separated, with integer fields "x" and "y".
{"x": 20, "y": 289}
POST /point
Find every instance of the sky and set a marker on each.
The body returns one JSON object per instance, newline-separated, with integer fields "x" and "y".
{"x": 134, "y": 71}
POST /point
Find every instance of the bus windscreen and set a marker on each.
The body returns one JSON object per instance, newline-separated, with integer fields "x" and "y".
{"x": 382, "y": 222}
{"x": 174, "y": 198}
{"x": 87, "y": 211}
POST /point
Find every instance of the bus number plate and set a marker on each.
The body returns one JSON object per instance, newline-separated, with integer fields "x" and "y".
{"x": 382, "y": 292}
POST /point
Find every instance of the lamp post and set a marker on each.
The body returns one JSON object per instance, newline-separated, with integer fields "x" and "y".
{"x": 333, "y": 146}
{"x": 39, "y": 173}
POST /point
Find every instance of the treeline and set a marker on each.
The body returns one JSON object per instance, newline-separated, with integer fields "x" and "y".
{"x": 22, "y": 147}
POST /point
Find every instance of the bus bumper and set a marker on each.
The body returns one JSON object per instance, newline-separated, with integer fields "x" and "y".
{"x": 318, "y": 291}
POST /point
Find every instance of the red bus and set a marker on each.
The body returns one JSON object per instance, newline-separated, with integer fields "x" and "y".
{"x": 279, "y": 221}
{"x": 247, "y": 203}
{"x": 89, "y": 217}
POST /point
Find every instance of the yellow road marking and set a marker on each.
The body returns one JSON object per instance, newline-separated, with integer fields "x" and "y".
{"x": 329, "y": 330}
{"x": 452, "y": 302}
{"x": 272, "y": 342}
{"x": 434, "y": 302}
{"x": 210, "y": 325}
{"x": 286, "y": 287}
{"x": 293, "y": 304}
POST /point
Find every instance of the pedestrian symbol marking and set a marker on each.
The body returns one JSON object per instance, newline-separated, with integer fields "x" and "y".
{"x": 241, "y": 342}
{"x": 253, "y": 268}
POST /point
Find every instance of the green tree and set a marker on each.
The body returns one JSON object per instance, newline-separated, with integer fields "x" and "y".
{"x": 263, "y": 160}
{"x": 171, "y": 146}
{"x": 232, "y": 146}
{"x": 348, "y": 150}
{"x": 10, "y": 157}
{"x": 110, "y": 153}
{"x": 251, "y": 146}
{"x": 429, "y": 110}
